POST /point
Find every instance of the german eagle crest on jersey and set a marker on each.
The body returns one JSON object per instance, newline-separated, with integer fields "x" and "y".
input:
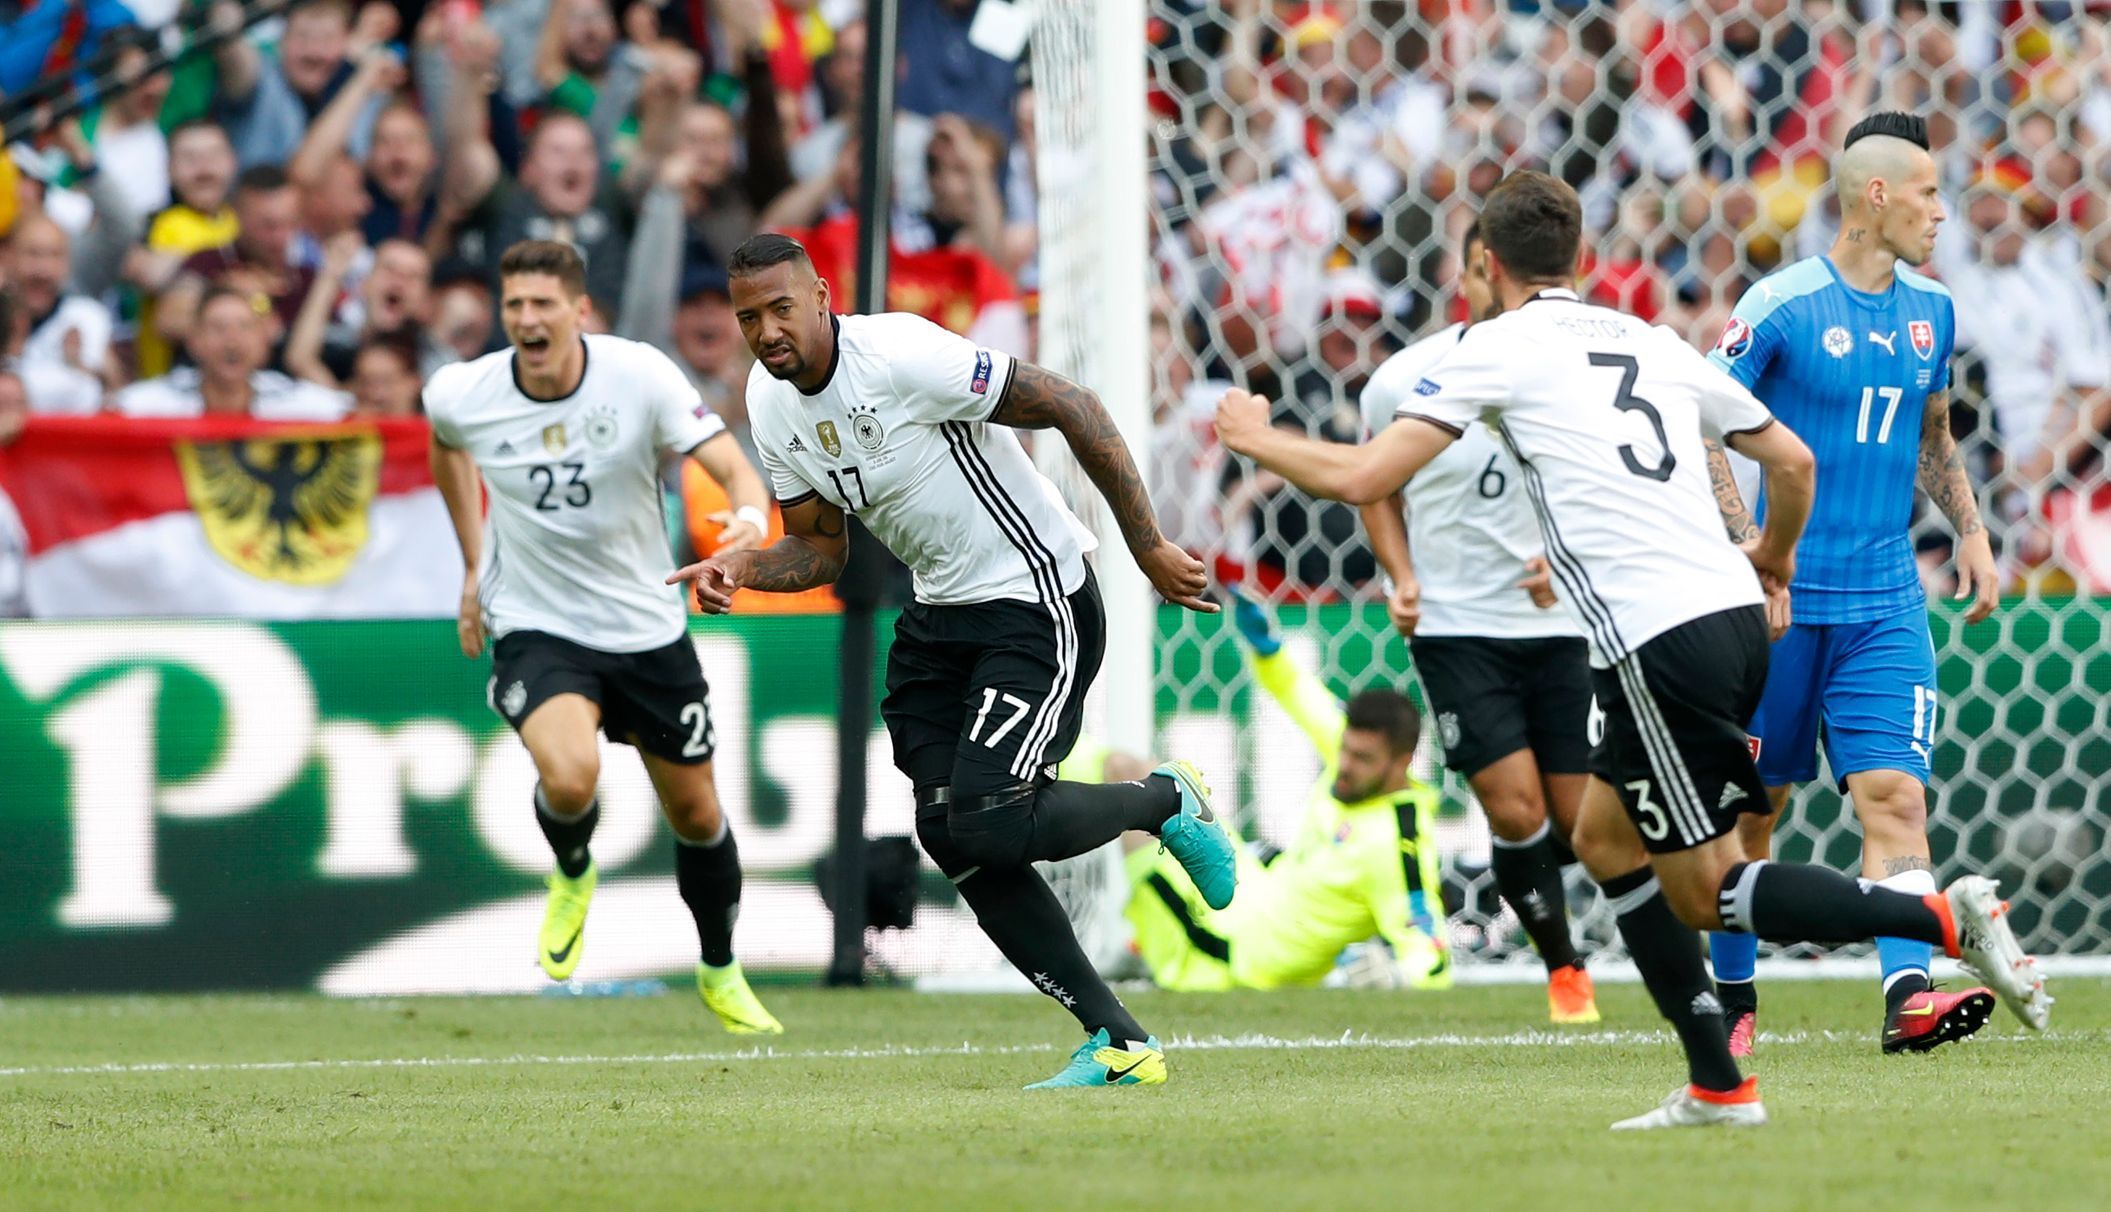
{"x": 866, "y": 428}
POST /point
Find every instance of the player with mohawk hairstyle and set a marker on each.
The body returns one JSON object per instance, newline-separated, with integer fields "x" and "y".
{"x": 1852, "y": 351}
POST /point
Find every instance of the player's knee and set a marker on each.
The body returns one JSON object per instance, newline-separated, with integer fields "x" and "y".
{"x": 1605, "y": 852}
{"x": 994, "y": 829}
{"x": 1514, "y": 812}
{"x": 569, "y": 783}
{"x": 1693, "y": 901}
{"x": 932, "y": 805}
{"x": 696, "y": 817}
{"x": 1896, "y": 809}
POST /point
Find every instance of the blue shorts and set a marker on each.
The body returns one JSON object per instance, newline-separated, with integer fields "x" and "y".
{"x": 1868, "y": 688}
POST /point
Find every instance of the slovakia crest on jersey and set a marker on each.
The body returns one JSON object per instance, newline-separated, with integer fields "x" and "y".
{"x": 1736, "y": 340}
{"x": 1923, "y": 334}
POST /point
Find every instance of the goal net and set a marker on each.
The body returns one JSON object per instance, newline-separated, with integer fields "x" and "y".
{"x": 1311, "y": 169}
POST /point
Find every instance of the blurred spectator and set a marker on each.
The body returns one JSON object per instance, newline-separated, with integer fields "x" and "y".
{"x": 966, "y": 209}
{"x": 842, "y": 84}
{"x": 230, "y": 346}
{"x": 944, "y": 73}
{"x": 385, "y": 381}
{"x": 1319, "y": 544}
{"x": 708, "y": 347}
{"x": 201, "y": 176}
{"x": 561, "y": 193}
{"x": 464, "y": 315}
{"x": 722, "y": 197}
{"x": 63, "y": 339}
{"x": 1187, "y": 465}
{"x": 267, "y": 101}
{"x": 46, "y": 39}
{"x": 125, "y": 129}
{"x": 585, "y": 68}
{"x": 2036, "y": 321}
{"x": 14, "y": 541}
{"x": 392, "y": 303}
{"x": 258, "y": 260}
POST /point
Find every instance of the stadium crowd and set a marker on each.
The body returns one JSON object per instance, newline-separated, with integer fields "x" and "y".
{"x": 302, "y": 221}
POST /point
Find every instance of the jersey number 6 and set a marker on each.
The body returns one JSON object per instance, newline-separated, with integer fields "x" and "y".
{"x": 1627, "y": 401}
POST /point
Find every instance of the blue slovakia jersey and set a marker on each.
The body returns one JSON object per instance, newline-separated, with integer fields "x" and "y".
{"x": 1850, "y": 373}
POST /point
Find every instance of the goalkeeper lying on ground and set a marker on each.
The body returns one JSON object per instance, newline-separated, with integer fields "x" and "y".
{"x": 1363, "y": 864}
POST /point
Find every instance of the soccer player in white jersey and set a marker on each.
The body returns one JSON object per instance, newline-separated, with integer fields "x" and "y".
{"x": 566, "y": 576}
{"x": 909, "y": 427}
{"x": 1507, "y": 677}
{"x": 1605, "y": 418}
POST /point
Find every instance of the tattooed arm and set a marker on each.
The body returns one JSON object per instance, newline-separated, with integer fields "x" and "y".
{"x": 1041, "y": 399}
{"x": 1737, "y": 519}
{"x": 811, "y": 554}
{"x": 1943, "y": 478}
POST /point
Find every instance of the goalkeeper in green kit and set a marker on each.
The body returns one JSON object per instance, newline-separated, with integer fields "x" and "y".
{"x": 1363, "y": 864}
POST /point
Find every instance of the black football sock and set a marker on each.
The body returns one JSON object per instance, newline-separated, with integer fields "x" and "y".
{"x": 1667, "y": 952}
{"x": 1797, "y": 903}
{"x": 1528, "y": 874}
{"x": 1077, "y": 818}
{"x": 1019, "y": 912}
{"x": 708, "y": 874}
{"x": 1022, "y": 824}
{"x": 568, "y": 835}
{"x": 1738, "y": 997}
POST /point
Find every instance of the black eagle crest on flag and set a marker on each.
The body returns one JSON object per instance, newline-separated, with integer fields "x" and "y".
{"x": 292, "y": 510}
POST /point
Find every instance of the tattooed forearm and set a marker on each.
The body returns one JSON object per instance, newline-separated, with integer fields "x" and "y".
{"x": 1942, "y": 474}
{"x": 1041, "y": 399}
{"x": 1737, "y": 520}
{"x": 792, "y": 565}
{"x": 1905, "y": 863}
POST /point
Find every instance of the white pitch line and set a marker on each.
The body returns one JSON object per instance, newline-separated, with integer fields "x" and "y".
{"x": 1209, "y": 1043}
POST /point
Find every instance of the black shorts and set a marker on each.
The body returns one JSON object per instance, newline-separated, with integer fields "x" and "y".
{"x": 655, "y": 700}
{"x": 990, "y": 695}
{"x": 1673, "y": 742}
{"x": 1492, "y": 697}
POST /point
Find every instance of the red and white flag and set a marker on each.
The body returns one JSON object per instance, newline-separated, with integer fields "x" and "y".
{"x": 229, "y": 516}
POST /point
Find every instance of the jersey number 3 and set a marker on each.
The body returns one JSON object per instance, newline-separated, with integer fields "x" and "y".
{"x": 1628, "y": 401}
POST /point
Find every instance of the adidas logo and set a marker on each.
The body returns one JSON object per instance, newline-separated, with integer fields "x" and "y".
{"x": 796, "y": 445}
{"x": 505, "y": 448}
{"x": 1705, "y": 1003}
{"x": 1731, "y": 794}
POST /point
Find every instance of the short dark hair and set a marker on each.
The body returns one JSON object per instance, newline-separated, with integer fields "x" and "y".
{"x": 1896, "y": 123}
{"x": 758, "y": 253}
{"x": 400, "y": 346}
{"x": 1388, "y": 713}
{"x": 553, "y": 257}
{"x": 1533, "y": 224}
{"x": 262, "y": 179}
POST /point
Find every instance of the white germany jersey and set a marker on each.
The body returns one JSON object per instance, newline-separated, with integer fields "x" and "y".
{"x": 899, "y": 436}
{"x": 1469, "y": 527}
{"x": 575, "y": 543}
{"x": 1604, "y": 416}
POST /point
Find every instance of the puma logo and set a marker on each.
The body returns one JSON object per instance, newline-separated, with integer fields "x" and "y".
{"x": 1889, "y": 341}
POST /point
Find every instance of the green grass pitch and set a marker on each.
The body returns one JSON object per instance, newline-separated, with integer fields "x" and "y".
{"x": 889, "y": 1099}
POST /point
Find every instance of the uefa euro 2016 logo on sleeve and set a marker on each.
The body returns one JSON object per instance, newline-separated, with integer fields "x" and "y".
{"x": 980, "y": 384}
{"x": 1736, "y": 339}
